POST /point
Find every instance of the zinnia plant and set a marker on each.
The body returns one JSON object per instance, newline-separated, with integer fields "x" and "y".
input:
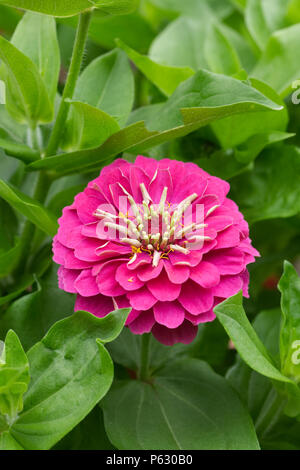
{"x": 149, "y": 226}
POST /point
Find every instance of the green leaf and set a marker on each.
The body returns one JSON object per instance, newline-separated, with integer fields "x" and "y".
{"x": 196, "y": 8}
{"x": 26, "y": 94}
{"x": 70, "y": 372}
{"x": 164, "y": 77}
{"x": 7, "y": 442}
{"x": 87, "y": 127}
{"x": 279, "y": 64}
{"x": 220, "y": 54}
{"x": 32, "y": 315}
{"x": 14, "y": 376}
{"x": 107, "y": 83}
{"x": 289, "y": 287}
{"x": 19, "y": 151}
{"x": 35, "y": 36}
{"x": 88, "y": 435}
{"x": 73, "y": 7}
{"x": 196, "y": 103}
{"x": 236, "y": 130}
{"x": 30, "y": 208}
{"x": 9, "y": 259}
{"x": 186, "y": 406}
{"x": 233, "y": 318}
{"x": 271, "y": 189}
{"x": 133, "y": 29}
{"x": 263, "y": 17}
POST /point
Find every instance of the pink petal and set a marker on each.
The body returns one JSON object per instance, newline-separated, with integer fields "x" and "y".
{"x": 106, "y": 279}
{"x": 206, "y": 275}
{"x": 161, "y": 179}
{"x": 185, "y": 333}
{"x": 141, "y": 260}
{"x": 228, "y": 238}
{"x": 86, "y": 249}
{"x": 228, "y": 261}
{"x": 137, "y": 177}
{"x": 229, "y": 285}
{"x": 195, "y": 299}
{"x": 205, "y": 317}
{"x": 143, "y": 323}
{"x": 146, "y": 273}
{"x": 86, "y": 284}
{"x": 170, "y": 314}
{"x": 128, "y": 279}
{"x": 163, "y": 289}
{"x": 71, "y": 262}
{"x": 192, "y": 259}
{"x": 219, "y": 223}
{"x": 141, "y": 299}
{"x": 66, "y": 279}
{"x": 177, "y": 274}
{"x": 98, "y": 305}
{"x": 147, "y": 164}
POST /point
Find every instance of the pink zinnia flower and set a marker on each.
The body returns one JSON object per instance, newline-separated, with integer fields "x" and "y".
{"x": 158, "y": 236}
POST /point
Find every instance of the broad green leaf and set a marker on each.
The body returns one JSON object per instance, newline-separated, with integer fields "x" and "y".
{"x": 14, "y": 376}
{"x": 166, "y": 78}
{"x": 88, "y": 435}
{"x": 9, "y": 258}
{"x": 195, "y": 103}
{"x": 32, "y": 315}
{"x": 35, "y": 36}
{"x": 30, "y": 208}
{"x": 279, "y": 64}
{"x": 26, "y": 94}
{"x": 87, "y": 127}
{"x": 133, "y": 29}
{"x": 10, "y": 129}
{"x": 233, "y": 318}
{"x": 187, "y": 406}
{"x": 289, "y": 287}
{"x": 19, "y": 151}
{"x": 7, "y": 442}
{"x": 9, "y": 19}
{"x": 194, "y": 8}
{"x": 220, "y": 56}
{"x": 293, "y": 12}
{"x": 247, "y": 152}
{"x": 206, "y": 43}
{"x": 236, "y": 130}
{"x": 107, "y": 84}
{"x": 73, "y": 7}
{"x": 70, "y": 372}
{"x": 263, "y": 17}
{"x": 8, "y": 228}
{"x": 271, "y": 189}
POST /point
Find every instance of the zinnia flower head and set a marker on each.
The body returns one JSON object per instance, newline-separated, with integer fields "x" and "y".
{"x": 158, "y": 236}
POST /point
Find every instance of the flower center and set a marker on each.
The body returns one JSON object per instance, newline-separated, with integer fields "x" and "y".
{"x": 157, "y": 229}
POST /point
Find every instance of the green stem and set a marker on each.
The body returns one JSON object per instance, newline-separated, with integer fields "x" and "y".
{"x": 41, "y": 190}
{"x": 270, "y": 413}
{"x": 74, "y": 70}
{"x": 144, "y": 362}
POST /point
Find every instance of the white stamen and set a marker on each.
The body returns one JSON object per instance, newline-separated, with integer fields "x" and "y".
{"x": 120, "y": 228}
{"x": 180, "y": 249}
{"x": 211, "y": 210}
{"x": 146, "y": 195}
{"x": 133, "y": 258}
{"x": 132, "y": 242}
{"x": 156, "y": 258}
{"x": 163, "y": 200}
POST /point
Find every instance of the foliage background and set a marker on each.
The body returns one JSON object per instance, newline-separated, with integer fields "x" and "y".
{"x": 208, "y": 81}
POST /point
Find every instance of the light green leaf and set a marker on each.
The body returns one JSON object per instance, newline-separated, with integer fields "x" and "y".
{"x": 7, "y": 442}
{"x": 35, "y": 36}
{"x": 73, "y": 7}
{"x": 107, "y": 84}
{"x": 220, "y": 55}
{"x": 166, "y": 78}
{"x": 233, "y": 318}
{"x": 271, "y": 189}
{"x": 26, "y": 94}
{"x": 289, "y": 287}
{"x": 32, "y": 315}
{"x": 19, "y": 151}
{"x": 70, "y": 372}
{"x": 279, "y": 64}
{"x": 263, "y": 17}
{"x": 186, "y": 406}
{"x": 14, "y": 376}
{"x": 195, "y": 103}
{"x": 30, "y": 208}
{"x": 87, "y": 127}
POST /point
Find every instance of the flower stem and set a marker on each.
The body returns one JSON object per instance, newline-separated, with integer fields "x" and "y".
{"x": 144, "y": 363}
{"x": 270, "y": 413}
{"x": 74, "y": 70}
